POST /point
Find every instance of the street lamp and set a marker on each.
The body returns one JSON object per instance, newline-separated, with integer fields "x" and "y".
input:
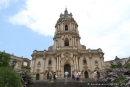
{"x": 14, "y": 63}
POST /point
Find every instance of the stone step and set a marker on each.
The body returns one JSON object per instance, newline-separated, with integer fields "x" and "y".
{"x": 68, "y": 84}
{"x": 61, "y": 82}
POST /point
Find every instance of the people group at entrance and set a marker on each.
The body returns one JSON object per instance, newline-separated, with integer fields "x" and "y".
{"x": 75, "y": 77}
{"x": 52, "y": 75}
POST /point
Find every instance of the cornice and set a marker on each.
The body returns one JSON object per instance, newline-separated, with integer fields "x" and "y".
{"x": 58, "y": 35}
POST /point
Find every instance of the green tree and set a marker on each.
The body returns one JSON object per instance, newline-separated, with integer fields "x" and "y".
{"x": 127, "y": 66}
{"x": 116, "y": 66}
{"x": 4, "y": 59}
{"x": 9, "y": 77}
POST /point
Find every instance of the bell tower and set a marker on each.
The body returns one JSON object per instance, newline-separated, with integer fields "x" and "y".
{"x": 66, "y": 32}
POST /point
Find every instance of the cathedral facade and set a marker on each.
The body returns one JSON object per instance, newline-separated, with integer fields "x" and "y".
{"x": 67, "y": 54}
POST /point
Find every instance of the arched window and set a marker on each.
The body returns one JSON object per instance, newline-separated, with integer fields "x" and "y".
{"x": 66, "y": 27}
{"x": 49, "y": 62}
{"x": 84, "y": 61}
{"x": 66, "y": 42}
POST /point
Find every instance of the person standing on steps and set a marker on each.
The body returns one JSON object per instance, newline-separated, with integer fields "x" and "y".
{"x": 95, "y": 76}
{"x": 73, "y": 77}
{"x": 77, "y": 76}
{"x": 66, "y": 75}
{"x": 50, "y": 76}
{"x": 54, "y": 76}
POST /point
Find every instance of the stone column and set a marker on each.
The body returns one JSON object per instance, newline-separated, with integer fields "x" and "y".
{"x": 32, "y": 65}
{"x": 57, "y": 63}
{"x": 58, "y": 42}
{"x": 78, "y": 62}
{"x": 102, "y": 60}
{"x": 75, "y": 41}
{"x": 74, "y": 63}
{"x": 43, "y": 64}
{"x": 72, "y": 41}
{"x": 74, "y": 27}
{"x": 61, "y": 26}
{"x": 70, "y": 27}
{"x": 92, "y": 64}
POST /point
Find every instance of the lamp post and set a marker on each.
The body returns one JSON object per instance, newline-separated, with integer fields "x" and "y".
{"x": 14, "y": 63}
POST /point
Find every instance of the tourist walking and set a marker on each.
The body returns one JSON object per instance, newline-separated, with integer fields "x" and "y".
{"x": 73, "y": 77}
{"x": 95, "y": 76}
{"x": 50, "y": 76}
{"x": 77, "y": 76}
{"x": 66, "y": 75}
{"x": 54, "y": 76}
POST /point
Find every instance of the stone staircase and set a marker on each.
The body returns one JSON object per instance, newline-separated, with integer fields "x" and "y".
{"x": 61, "y": 82}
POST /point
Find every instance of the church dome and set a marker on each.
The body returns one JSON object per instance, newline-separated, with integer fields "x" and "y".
{"x": 65, "y": 17}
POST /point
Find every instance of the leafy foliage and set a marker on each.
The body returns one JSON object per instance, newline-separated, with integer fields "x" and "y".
{"x": 26, "y": 77}
{"x": 4, "y": 59}
{"x": 127, "y": 66}
{"x": 116, "y": 75}
{"x": 9, "y": 77}
{"x": 115, "y": 66}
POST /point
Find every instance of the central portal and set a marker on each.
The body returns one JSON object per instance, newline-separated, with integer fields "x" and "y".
{"x": 68, "y": 69}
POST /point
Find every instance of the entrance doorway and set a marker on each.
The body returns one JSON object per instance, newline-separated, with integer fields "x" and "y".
{"x": 98, "y": 75}
{"x": 68, "y": 69}
{"x": 86, "y": 74}
{"x": 48, "y": 75}
{"x": 37, "y": 76}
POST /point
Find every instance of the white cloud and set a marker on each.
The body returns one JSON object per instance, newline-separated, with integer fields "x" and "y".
{"x": 102, "y": 23}
{"x": 5, "y": 3}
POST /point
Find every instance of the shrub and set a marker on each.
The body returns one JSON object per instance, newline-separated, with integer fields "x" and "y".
{"x": 116, "y": 76}
{"x": 9, "y": 77}
{"x": 4, "y": 59}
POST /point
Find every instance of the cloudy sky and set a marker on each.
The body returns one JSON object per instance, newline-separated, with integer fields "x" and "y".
{"x": 26, "y": 25}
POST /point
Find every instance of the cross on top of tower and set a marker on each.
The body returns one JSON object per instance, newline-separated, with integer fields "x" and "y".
{"x": 65, "y": 12}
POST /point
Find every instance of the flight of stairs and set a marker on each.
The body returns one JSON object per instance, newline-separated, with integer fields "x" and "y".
{"x": 61, "y": 82}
